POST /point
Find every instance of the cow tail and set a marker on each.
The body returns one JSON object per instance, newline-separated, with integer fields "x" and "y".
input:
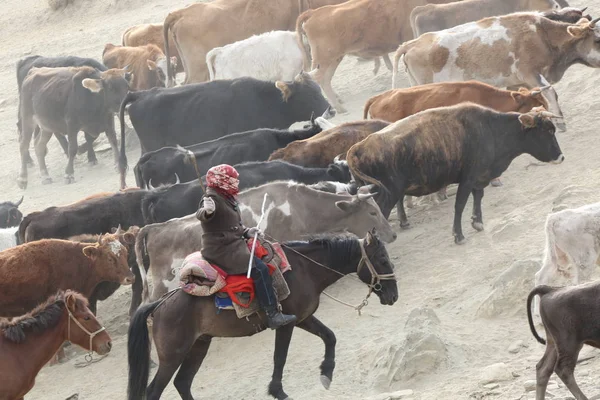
{"x": 143, "y": 261}
{"x": 169, "y": 21}
{"x": 300, "y": 33}
{"x": 352, "y": 161}
{"x": 129, "y": 98}
{"x": 210, "y": 63}
{"x": 541, "y": 290}
{"x": 139, "y": 179}
{"x": 23, "y": 228}
{"x": 399, "y": 53}
{"x": 368, "y": 106}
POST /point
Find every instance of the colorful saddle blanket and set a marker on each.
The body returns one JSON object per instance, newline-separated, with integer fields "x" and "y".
{"x": 198, "y": 277}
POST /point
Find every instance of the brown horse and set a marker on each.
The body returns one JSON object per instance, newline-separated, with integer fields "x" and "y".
{"x": 184, "y": 325}
{"x": 28, "y": 342}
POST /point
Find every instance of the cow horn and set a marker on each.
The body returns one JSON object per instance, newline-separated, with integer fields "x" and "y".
{"x": 593, "y": 22}
{"x": 119, "y": 230}
{"x": 583, "y": 9}
{"x": 545, "y": 87}
{"x": 177, "y": 181}
{"x": 312, "y": 118}
{"x": 550, "y": 115}
{"x": 365, "y": 196}
{"x": 18, "y": 203}
{"x": 535, "y": 92}
{"x": 150, "y": 185}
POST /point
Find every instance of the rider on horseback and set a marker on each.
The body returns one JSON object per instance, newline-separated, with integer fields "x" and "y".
{"x": 223, "y": 239}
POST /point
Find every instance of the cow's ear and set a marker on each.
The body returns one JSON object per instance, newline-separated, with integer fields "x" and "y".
{"x": 151, "y": 65}
{"x": 129, "y": 238}
{"x": 286, "y": 92}
{"x": 577, "y": 30}
{"x": 527, "y": 120}
{"x": 93, "y": 85}
{"x": 90, "y": 252}
{"x": 345, "y": 205}
{"x": 518, "y": 97}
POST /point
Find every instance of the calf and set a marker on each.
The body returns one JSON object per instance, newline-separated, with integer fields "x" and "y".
{"x": 320, "y": 150}
{"x": 23, "y": 67}
{"x": 572, "y": 248}
{"x": 396, "y": 104}
{"x": 95, "y": 215}
{"x": 465, "y": 144}
{"x": 570, "y": 320}
{"x": 271, "y": 56}
{"x": 147, "y": 64}
{"x": 10, "y": 214}
{"x": 144, "y": 34}
{"x": 293, "y": 211}
{"x": 197, "y": 113}
{"x": 437, "y": 17}
{"x": 67, "y": 100}
{"x": 162, "y": 165}
{"x": 31, "y": 272}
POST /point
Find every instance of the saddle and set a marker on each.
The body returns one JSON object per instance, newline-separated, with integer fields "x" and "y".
{"x": 198, "y": 277}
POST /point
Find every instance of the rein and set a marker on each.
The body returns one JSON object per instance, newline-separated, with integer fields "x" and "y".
{"x": 376, "y": 277}
{"x": 88, "y": 356}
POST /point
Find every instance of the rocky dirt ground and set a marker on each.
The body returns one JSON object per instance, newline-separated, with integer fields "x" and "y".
{"x": 459, "y": 330}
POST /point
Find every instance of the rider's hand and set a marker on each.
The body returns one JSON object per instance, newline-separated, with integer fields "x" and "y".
{"x": 208, "y": 205}
{"x": 251, "y": 232}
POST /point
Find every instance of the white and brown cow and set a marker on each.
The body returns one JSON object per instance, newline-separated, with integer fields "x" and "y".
{"x": 143, "y": 34}
{"x": 521, "y": 49}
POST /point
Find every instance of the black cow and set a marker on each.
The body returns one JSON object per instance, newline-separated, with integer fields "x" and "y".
{"x": 23, "y": 67}
{"x": 465, "y": 144}
{"x": 10, "y": 214}
{"x": 178, "y": 200}
{"x": 161, "y": 166}
{"x": 66, "y": 100}
{"x": 196, "y": 113}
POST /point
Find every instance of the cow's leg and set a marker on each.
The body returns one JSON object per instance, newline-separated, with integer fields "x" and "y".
{"x": 283, "y": 336}
{"x": 376, "y": 65}
{"x": 544, "y": 368}
{"x": 69, "y": 171}
{"x": 111, "y": 135}
{"x": 477, "y": 218}
{"x": 404, "y": 224}
{"x": 409, "y": 202}
{"x": 27, "y": 127}
{"x": 462, "y": 195}
{"x": 62, "y": 140}
{"x": 188, "y": 370}
{"x": 568, "y": 350}
{"x": 89, "y": 146}
{"x": 323, "y": 75}
{"x": 317, "y": 328}
{"x": 388, "y": 62}
{"x": 41, "y": 147}
{"x": 441, "y": 194}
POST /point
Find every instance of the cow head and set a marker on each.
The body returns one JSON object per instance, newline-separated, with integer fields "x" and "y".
{"x": 159, "y": 67}
{"x": 339, "y": 172}
{"x": 545, "y": 97}
{"x": 113, "y": 84}
{"x": 109, "y": 258}
{"x": 10, "y": 214}
{"x": 539, "y": 137}
{"x": 302, "y": 97}
{"x": 362, "y": 214}
{"x": 570, "y": 15}
{"x": 586, "y": 39}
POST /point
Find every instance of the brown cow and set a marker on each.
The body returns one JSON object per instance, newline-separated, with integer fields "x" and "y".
{"x": 396, "y": 104}
{"x": 31, "y": 272}
{"x": 362, "y": 28}
{"x": 320, "y": 150}
{"x": 143, "y": 34}
{"x": 198, "y": 28}
{"x": 147, "y": 64}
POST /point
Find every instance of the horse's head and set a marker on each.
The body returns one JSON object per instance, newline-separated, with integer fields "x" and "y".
{"x": 83, "y": 328}
{"x": 377, "y": 270}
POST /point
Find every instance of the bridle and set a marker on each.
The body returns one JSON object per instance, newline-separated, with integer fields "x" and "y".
{"x": 83, "y": 328}
{"x": 376, "y": 277}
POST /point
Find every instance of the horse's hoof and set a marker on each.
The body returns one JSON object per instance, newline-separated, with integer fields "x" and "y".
{"x": 325, "y": 381}
{"x": 69, "y": 179}
{"x": 46, "y": 181}
{"x": 478, "y": 226}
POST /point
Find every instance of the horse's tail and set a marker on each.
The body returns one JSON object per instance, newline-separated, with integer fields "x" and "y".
{"x": 541, "y": 290}
{"x": 138, "y": 352}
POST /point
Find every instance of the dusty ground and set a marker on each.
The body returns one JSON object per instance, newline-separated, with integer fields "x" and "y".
{"x": 479, "y": 316}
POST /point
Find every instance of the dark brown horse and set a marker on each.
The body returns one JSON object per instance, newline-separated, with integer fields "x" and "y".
{"x": 28, "y": 342}
{"x": 184, "y": 325}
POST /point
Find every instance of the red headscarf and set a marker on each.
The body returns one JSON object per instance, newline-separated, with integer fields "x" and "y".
{"x": 223, "y": 178}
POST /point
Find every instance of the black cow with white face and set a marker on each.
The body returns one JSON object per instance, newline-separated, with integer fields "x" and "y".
{"x": 10, "y": 214}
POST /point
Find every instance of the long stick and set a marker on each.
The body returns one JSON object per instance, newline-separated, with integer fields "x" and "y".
{"x": 256, "y": 236}
{"x": 192, "y": 158}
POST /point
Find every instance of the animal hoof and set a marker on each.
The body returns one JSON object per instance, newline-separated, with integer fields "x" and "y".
{"x": 496, "y": 183}
{"x": 325, "y": 381}
{"x": 46, "y": 181}
{"x": 93, "y": 162}
{"x": 69, "y": 179}
{"x": 405, "y": 225}
{"x": 460, "y": 240}
{"x": 22, "y": 184}
{"x": 442, "y": 197}
{"x": 478, "y": 226}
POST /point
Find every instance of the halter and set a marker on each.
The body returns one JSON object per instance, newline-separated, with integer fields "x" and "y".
{"x": 83, "y": 328}
{"x": 376, "y": 277}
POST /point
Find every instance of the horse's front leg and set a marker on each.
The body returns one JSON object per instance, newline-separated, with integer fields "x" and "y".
{"x": 316, "y": 327}
{"x": 283, "y": 336}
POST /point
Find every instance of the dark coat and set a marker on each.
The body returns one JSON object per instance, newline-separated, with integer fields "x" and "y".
{"x": 222, "y": 239}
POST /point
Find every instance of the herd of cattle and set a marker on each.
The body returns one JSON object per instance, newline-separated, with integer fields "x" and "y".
{"x": 481, "y": 73}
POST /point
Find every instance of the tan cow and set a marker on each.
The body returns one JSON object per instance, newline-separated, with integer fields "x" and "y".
{"x": 362, "y": 28}
{"x": 436, "y": 17}
{"x": 320, "y": 150}
{"x": 143, "y": 34}
{"x": 147, "y": 64}
{"x": 521, "y": 49}
{"x": 200, "y": 27}
{"x": 396, "y": 104}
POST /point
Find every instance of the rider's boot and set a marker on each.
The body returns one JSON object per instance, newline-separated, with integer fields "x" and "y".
{"x": 266, "y": 296}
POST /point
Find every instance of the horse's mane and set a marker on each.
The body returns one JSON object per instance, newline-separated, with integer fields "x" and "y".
{"x": 43, "y": 317}
{"x": 342, "y": 248}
